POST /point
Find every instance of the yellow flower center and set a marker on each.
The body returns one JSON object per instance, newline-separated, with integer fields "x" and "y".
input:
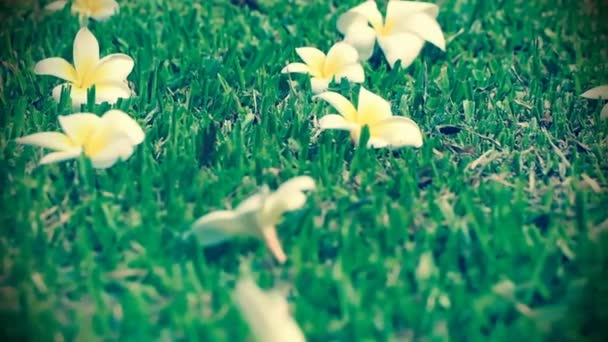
{"x": 386, "y": 29}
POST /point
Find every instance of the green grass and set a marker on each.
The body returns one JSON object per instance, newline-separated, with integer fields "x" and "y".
{"x": 511, "y": 206}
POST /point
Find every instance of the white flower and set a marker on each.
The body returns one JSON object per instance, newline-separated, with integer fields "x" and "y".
{"x": 385, "y": 129}
{"x": 341, "y": 62}
{"x": 96, "y": 9}
{"x": 266, "y": 313}
{"x": 401, "y": 35}
{"x": 108, "y": 74}
{"x": 596, "y": 93}
{"x": 104, "y": 140}
{"x": 257, "y": 216}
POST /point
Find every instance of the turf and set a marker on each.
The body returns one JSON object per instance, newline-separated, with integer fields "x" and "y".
{"x": 493, "y": 230}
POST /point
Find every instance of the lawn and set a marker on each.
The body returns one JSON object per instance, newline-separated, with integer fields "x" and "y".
{"x": 495, "y": 229}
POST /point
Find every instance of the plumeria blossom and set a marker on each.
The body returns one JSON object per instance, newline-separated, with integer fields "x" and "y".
{"x": 257, "y": 216}
{"x": 97, "y": 9}
{"x": 108, "y": 74}
{"x": 400, "y": 35}
{"x": 104, "y": 140}
{"x": 385, "y": 129}
{"x": 597, "y": 93}
{"x": 340, "y": 62}
{"x": 266, "y": 313}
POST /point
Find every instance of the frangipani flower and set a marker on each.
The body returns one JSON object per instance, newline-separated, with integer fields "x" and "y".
{"x": 266, "y": 313}
{"x": 596, "y": 93}
{"x": 104, "y": 140}
{"x": 257, "y": 216}
{"x": 341, "y": 62}
{"x": 108, "y": 75}
{"x": 401, "y": 35}
{"x": 385, "y": 129}
{"x": 96, "y": 9}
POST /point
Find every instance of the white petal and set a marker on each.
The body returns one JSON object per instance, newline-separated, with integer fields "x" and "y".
{"x": 113, "y": 68}
{"x": 375, "y": 142}
{"x": 319, "y": 85}
{"x": 57, "y": 67}
{"x": 119, "y": 148}
{"x": 219, "y": 225}
{"x": 368, "y": 10}
{"x": 60, "y": 156}
{"x": 313, "y": 57}
{"x": 252, "y": 203}
{"x": 363, "y": 39}
{"x": 604, "y": 113}
{"x": 401, "y": 46}
{"x": 371, "y": 107}
{"x": 340, "y": 103}
{"x": 597, "y": 92}
{"x": 334, "y": 121}
{"x": 86, "y": 52}
{"x": 126, "y": 123}
{"x": 299, "y": 183}
{"x": 80, "y": 126}
{"x": 426, "y": 27}
{"x": 108, "y": 9}
{"x": 111, "y": 92}
{"x": 339, "y": 56}
{"x": 398, "y": 131}
{"x": 296, "y": 67}
{"x": 401, "y": 10}
{"x": 51, "y": 140}
{"x": 78, "y": 96}
{"x": 354, "y": 73}
{"x": 289, "y": 196}
{"x": 56, "y": 5}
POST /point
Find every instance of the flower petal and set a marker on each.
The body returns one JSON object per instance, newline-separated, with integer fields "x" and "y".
{"x": 319, "y": 85}
{"x": 339, "y": 56}
{"x": 426, "y": 27}
{"x": 368, "y": 10}
{"x": 375, "y": 142}
{"x": 113, "y": 68}
{"x": 297, "y": 184}
{"x": 354, "y": 73}
{"x": 401, "y": 46}
{"x": 340, "y": 103}
{"x": 218, "y": 226}
{"x": 105, "y": 10}
{"x": 57, "y": 67}
{"x": 604, "y": 113}
{"x": 126, "y": 123}
{"x": 78, "y": 96}
{"x": 56, "y": 5}
{"x": 363, "y": 39}
{"x": 398, "y": 131}
{"x": 79, "y": 127}
{"x": 313, "y": 57}
{"x": 269, "y": 235}
{"x": 597, "y": 92}
{"x": 398, "y": 11}
{"x": 86, "y": 52}
{"x": 296, "y": 67}
{"x": 117, "y": 148}
{"x": 51, "y": 140}
{"x": 60, "y": 156}
{"x": 334, "y": 121}
{"x": 110, "y": 92}
{"x": 372, "y": 108}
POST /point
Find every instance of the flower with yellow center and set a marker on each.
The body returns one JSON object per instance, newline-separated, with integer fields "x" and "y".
{"x": 108, "y": 74}
{"x": 266, "y": 313}
{"x": 96, "y": 9}
{"x": 340, "y": 62}
{"x": 374, "y": 112}
{"x": 401, "y": 35}
{"x": 257, "y": 216}
{"x": 600, "y": 92}
{"x": 104, "y": 140}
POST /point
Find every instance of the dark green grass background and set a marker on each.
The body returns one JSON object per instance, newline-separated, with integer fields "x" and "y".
{"x": 509, "y": 199}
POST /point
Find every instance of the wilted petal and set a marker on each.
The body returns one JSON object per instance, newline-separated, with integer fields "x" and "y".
{"x": 313, "y": 57}
{"x": 113, "y": 68}
{"x": 597, "y": 92}
{"x": 372, "y": 108}
{"x": 61, "y": 156}
{"x": 340, "y": 103}
{"x": 57, "y": 67}
{"x": 296, "y": 67}
{"x": 354, "y": 73}
{"x": 334, "y": 121}
{"x": 86, "y": 52}
{"x": 79, "y": 127}
{"x": 398, "y": 11}
{"x": 56, "y": 5}
{"x": 339, "y": 56}
{"x": 401, "y": 46}
{"x": 363, "y": 39}
{"x": 319, "y": 85}
{"x": 398, "y": 131}
{"x": 124, "y": 122}
{"x": 110, "y": 92}
{"x": 426, "y": 27}
{"x": 51, "y": 140}
{"x": 368, "y": 10}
